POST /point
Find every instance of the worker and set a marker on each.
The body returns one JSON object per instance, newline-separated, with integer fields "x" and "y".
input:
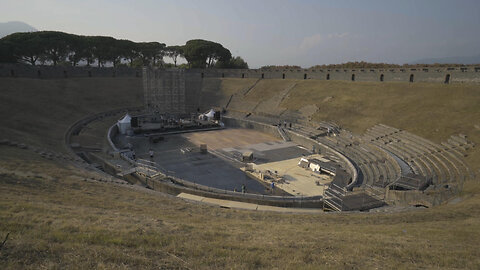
{"x": 150, "y": 152}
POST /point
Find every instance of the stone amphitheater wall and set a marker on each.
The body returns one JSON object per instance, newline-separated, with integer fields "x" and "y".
{"x": 469, "y": 74}
{"x": 56, "y": 72}
{"x": 439, "y": 75}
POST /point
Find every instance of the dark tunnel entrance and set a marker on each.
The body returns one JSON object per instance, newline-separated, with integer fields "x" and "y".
{"x": 447, "y": 78}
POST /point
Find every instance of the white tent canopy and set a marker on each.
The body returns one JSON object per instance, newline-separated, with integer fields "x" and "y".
{"x": 210, "y": 114}
{"x": 124, "y": 124}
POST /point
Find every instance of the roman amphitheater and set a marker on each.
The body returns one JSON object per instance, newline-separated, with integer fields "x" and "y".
{"x": 303, "y": 142}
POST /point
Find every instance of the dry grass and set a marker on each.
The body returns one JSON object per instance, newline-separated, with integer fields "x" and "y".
{"x": 40, "y": 111}
{"x": 431, "y": 110}
{"x": 266, "y": 89}
{"x": 57, "y": 220}
{"x": 434, "y": 111}
{"x": 359, "y": 105}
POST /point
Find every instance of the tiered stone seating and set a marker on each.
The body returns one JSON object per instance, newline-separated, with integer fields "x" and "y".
{"x": 383, "y": 137}
{"x": 419, "y": 164}
{"x": 385, "y": 153}
{"x": 377, "y": 166}
{"x": 373, "y": 162}
{"x": 461, "y": 142}
{"x": 454, "y": 155}
{"x": 393, "y": 172}
{"x": 369, "y": 172}
{"x": 449, "y": 163}
{"x": 341, "y": 145}
{"x": 374, "y": 154}
{"x": 442, "y": 163}
{"x": 422, "y": 157}
{"x": 417, "y": 167}
{"x": 384, "y": 164}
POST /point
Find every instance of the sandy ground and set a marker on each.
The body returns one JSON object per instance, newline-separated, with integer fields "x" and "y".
{"x": 299, "y": 181}
{"x": 218, "y": 139}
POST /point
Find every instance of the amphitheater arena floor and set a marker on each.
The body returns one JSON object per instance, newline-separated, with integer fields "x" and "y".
{"x": 231, "y": 137}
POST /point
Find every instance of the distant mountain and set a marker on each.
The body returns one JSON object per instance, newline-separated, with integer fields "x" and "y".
{"x": 467, "y": 60}
{"x": 8, "y": 28}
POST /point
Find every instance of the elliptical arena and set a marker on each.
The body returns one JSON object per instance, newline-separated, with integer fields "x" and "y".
{"x": 183, "y": 144}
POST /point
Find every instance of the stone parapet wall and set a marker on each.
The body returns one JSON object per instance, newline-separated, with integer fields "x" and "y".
{"x": 439, "y": 75}
{"x": 57, "y": 72}
{"x": 469, "y": 74}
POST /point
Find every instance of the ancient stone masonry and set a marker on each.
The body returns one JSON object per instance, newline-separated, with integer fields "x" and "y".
{"x": 445, "y": 75}
{"x": 173, "y": 91}
{"x": 60, "y": 72}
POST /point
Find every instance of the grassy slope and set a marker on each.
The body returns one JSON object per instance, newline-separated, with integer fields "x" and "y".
{"x": 59, "y": 221}
{"x": 55, "y": 220}
{"x": 431, "y": 110}
{"x": 39, "y": 111}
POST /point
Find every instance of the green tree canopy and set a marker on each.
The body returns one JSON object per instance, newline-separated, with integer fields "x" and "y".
{"x": 203, "y": 53}
{"x": 234, "y": 62}
{"x": 53, "y": 47}
{"x": 151, "y": 53}
{"x": 6, "y": 53}
{"x": 174, "y": 52}
{"x": 102, "y": 48}
{"x": 25, "y": 47}
{"x": 78, "y": 49}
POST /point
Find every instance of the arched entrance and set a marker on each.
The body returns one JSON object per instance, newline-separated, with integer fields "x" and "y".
{"x": 447, "y": 78}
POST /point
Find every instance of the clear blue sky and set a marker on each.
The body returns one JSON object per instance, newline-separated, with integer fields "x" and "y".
{"x": 302, "y": 32}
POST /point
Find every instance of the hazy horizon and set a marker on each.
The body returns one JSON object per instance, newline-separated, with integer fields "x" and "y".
{"x": 303, "y": 33}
